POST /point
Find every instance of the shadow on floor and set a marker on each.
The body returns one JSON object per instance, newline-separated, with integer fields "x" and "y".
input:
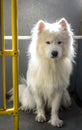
{"x": 72, "y": 121}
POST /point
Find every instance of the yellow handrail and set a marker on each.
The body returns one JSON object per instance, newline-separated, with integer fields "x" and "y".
{"x": 15, "y": 62}
{"x": 3, "y": 57}
{"x": 14, "y": 54}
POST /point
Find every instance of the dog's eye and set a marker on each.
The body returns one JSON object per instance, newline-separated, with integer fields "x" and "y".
{"x": 47, "y": 42}
{"x": 59, "y": 42}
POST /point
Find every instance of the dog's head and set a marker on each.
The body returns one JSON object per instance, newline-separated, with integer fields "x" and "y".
{"x": 53, "y": 40}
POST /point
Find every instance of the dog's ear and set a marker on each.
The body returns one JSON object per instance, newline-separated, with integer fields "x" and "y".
{"x": 41, "y": 25}
{"x": 63, "y": 23}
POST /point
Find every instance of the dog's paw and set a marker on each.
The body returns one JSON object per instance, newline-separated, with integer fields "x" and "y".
{"x": 40, "y": 118}
{"x": 56, "y": 122}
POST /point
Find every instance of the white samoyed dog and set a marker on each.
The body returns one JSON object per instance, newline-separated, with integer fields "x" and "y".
{"x": 49, "y": 68}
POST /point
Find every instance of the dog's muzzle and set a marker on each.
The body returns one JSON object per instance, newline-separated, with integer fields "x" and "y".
{"x": 54, "y": 54}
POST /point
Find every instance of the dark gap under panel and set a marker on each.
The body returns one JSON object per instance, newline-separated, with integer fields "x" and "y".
{"x": 8, "y": 77}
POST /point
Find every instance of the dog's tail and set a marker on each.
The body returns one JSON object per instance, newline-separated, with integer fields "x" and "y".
{"x": 9, "y": 95}
{"x": 21, "y": 88}
{"x": 25, "y": 96}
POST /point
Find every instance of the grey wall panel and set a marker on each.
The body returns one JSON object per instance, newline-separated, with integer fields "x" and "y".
{"x": 7, "y": 13}
{"x": 78, "y": 86}
{"x": 30, "y": 11}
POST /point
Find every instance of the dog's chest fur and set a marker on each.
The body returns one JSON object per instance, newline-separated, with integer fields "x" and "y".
{"x": 47, "y": 76}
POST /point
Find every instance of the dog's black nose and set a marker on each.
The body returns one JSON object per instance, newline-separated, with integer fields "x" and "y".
{"x": 54, "y": 54}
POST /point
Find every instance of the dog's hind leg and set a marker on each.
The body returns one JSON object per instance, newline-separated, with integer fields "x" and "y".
{"x": 26, "y": 99}
{"x": 66, "y": 99}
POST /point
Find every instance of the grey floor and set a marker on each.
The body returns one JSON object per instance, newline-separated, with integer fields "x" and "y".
{"x": 72, "y": 121}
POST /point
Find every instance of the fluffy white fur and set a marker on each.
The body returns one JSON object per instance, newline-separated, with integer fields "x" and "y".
{"x": 48, "y": 74}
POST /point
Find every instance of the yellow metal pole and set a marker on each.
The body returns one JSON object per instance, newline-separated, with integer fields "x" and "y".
{"x": 3, "y": 57}
{"x": 15, "y": 62}
{"x": 14, "y": 53}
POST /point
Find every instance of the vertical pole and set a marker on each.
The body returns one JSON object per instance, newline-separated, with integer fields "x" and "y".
{"x": 3, "y": 57}
{"x": 15, "y": 62}
{"x": 0, "y": 25}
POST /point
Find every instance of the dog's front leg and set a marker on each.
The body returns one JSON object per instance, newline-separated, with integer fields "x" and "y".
{"x": 55, "y": 104}
{"x": 40, "y": 117}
